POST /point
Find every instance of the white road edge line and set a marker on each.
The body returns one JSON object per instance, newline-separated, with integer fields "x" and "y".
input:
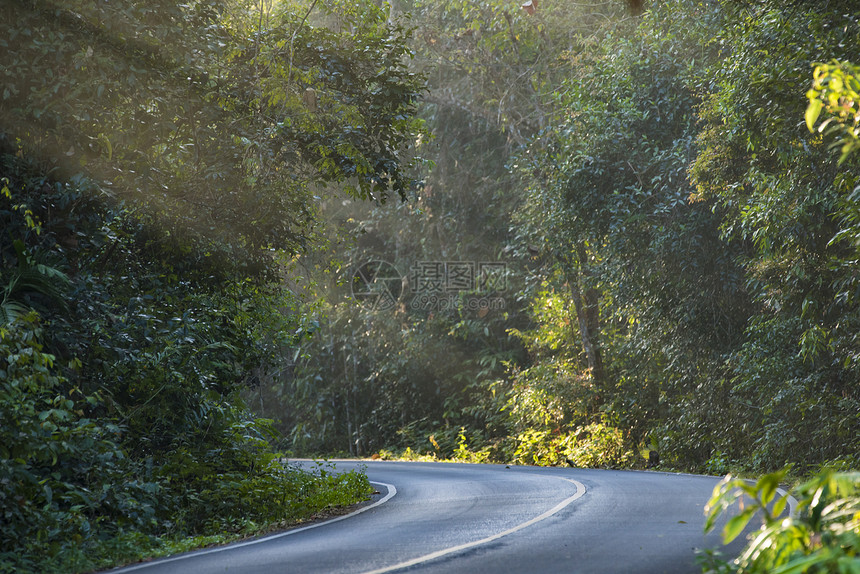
{"x": 580, "y": 491}
{"x": 391, "y": 492}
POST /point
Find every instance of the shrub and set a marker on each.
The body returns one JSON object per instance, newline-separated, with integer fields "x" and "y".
{"x": 593, "y": 445}
{"x": 65, "y": 481}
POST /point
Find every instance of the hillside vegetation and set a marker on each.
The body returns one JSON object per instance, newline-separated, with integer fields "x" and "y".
{"x": 158, "y": 165}
{"x": 678, "y": 237}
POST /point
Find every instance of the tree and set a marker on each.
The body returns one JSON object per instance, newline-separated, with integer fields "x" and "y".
{"x": 788, "y": 204}
{"x": 202, "y": 113}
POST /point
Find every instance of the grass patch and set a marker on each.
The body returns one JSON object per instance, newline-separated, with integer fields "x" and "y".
{"x": 295, "y": 496}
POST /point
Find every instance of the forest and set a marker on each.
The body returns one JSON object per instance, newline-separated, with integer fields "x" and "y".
{"x": 552, "y": 233}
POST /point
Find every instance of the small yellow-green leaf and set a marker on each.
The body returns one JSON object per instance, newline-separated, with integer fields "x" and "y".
{"x": 813, "y": 110}
{"x": 779, "y": 506}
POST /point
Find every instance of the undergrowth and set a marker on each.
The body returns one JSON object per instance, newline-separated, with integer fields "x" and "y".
{"x": 278, "y": 497}
{"x": 595, "y": 445}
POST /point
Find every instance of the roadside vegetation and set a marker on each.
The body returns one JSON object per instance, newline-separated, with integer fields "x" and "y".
{"x": 589, "y": 233}
{"x": 679, "y": 245}
{"x": 158, "y": 165}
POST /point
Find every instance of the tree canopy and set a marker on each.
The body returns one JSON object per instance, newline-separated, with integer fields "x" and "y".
{"x": 219, "y": 119}
{"x": 162, "y": 164}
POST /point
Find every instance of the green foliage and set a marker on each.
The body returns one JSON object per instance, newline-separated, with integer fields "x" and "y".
{"x": 787, "y": 205}
{"x": 497, "y": 64}
{"x": 196, "y": 112}
{"x": 122, "y": 426}
{"x": 596, "y": 445}
{"x": 29, "y": 280}
{"x": 836, "y": 89}
{"x": 821, "y": 535}
{"x": 65, "y": 478}
{"x": 369, "y": 380}
{"x": 657, "y": 300}
{"x": 554, "y": 393}
{"x": 30, "y": 284}
{"x": 684, "y": 251}
{"x": 463, "y": 454}
{"x": 491, "y": 69}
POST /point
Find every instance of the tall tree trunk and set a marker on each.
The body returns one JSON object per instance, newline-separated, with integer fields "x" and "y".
{"x": 586, "y": 301}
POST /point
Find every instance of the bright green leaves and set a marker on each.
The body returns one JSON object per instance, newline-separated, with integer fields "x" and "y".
{"x": 736, "y": 524}
{"x": 750, "y": 498}
{"x": 836, "y": 89}
{"x": 822, "y": 533}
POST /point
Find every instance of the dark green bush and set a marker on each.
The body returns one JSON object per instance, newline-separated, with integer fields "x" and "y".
{"x": 122, "y": 430}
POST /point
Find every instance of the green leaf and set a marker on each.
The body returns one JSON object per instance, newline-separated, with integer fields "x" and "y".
{"x": 800, "y": 564}
{"x": 779, "y": 506}
{"x": 736, "y": 525}
{"x": 813, "y": 110}
{"x": 768, "y": 485}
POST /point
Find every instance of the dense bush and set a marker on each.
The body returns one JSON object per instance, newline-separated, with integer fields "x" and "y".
{"x": 122, "y": 429}
{"x": 593, "y": 446}
{"x": 65, "y": 477}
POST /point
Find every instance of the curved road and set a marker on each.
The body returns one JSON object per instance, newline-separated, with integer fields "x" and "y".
{"x": 462, "y": 518}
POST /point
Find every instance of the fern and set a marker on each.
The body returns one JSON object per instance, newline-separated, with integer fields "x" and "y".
{"x": 27, "y": 279}
{"x": 10, "y": 311}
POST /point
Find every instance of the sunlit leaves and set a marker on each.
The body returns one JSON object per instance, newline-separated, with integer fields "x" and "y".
{"x": 836, "y": 88}
{"x": 820, "y": 534}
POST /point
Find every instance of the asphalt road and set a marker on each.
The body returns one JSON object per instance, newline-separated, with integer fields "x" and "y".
{"x": 459, "y": 518}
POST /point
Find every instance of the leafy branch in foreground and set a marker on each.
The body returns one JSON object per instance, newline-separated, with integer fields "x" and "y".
{"x": 19, "y": 285}
{"x": 835, "y": 89}
{"x": 822, "y": 534}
